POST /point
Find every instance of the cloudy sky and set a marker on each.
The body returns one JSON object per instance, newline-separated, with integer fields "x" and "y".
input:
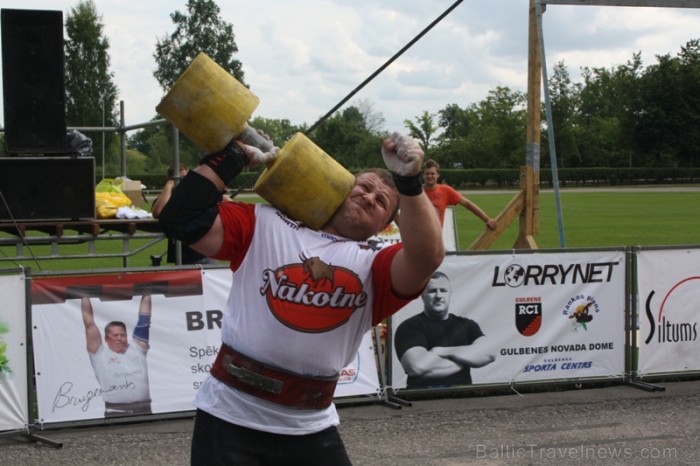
{"x": 302, "y": 57}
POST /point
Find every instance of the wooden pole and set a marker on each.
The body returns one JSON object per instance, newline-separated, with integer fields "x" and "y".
{"x": 530, "y": 174}
{"x": 504, "y": 219}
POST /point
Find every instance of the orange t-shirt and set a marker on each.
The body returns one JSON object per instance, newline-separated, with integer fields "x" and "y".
{"x": 441, "y": 196}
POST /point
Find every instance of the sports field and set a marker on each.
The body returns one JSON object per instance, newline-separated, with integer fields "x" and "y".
{"x": 597, "y": 218}
{"x": 591, "y": 218}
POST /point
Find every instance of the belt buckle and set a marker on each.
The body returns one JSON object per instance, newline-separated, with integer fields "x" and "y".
{"x": 253, "y": 379}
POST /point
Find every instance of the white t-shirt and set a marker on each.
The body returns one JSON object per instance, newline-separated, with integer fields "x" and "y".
{"x": 301, "y": 301}
{"x": 123, "y": 377}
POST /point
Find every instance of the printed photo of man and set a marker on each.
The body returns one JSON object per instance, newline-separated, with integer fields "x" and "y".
{"x": 120, "y": 367}
{"x": 437, "y": 348}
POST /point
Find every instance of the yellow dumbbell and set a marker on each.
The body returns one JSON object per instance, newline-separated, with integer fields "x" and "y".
{"x": 211, "y": 107}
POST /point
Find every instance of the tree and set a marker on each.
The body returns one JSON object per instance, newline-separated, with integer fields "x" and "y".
{"x": 423, "y": 129}
{"x": 565, "y": 99}
{"x": 200, "y": 29}
{"x": 156, "y": 142}
{"x": 374, "y": 120}
{"x": 139, "y": 140}
{"x": 345, "y": 137}
{"x": 609, "y": 108}
{"x": 668, "y": 130}
{"x": 689, "y": 140}
{"x": 279, "y": 130}
{"x": 498, "y": 134}
{"x": 489, "y": 134}
{"x": 91, "y": 94}
{"x": 455, "y": 121}
{"x": 457, "y": 124}
{"x": 88, "y": 79}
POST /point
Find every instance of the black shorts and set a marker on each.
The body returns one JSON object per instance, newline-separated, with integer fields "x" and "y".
{"x": 217, "y": 442}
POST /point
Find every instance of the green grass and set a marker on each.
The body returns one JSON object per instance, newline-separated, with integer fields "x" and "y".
{"x": 595, "y": 219}
{"x": 591, "y": 219}
{"x": 140, "y": 259}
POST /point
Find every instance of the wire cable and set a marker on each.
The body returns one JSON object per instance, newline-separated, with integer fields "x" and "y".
{"x": 365, "y": 82}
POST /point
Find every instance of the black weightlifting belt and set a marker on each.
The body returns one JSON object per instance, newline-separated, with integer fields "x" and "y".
{"x": 271, "y": 384}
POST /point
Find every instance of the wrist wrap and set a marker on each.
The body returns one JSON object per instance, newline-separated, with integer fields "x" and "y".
{"x": 408, "y": 185}
{"x": 228, "y": 162}
{"x": 142, "y": 328}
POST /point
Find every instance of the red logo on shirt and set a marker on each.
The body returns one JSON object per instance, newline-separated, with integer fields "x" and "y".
{"x": 312, "y": 296}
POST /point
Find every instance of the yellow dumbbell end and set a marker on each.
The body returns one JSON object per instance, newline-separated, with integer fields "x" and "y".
{"x": 208, "y": 104}
{"x": 305, "y": 183}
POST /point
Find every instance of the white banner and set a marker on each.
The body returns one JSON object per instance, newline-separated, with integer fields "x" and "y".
{"x": 67, "y": 385}
{"x": 184, "y": 338}
{"x": 542, "y": 316}
{"x": 14, "y": 397}
{"x": 449, "y": 230}
{"x": 669, "y": 321}
{"x": 360, "y": 377}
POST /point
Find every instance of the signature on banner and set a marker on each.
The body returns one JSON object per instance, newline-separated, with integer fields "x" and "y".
{"x": 64, "y": 398}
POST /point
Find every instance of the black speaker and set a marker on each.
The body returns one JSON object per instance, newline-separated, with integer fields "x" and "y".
{"x": 47, "y": 188}
{"x": 33, "y": 81}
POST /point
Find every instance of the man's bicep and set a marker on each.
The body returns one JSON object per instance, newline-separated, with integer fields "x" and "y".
{"x": 406, "y": 336}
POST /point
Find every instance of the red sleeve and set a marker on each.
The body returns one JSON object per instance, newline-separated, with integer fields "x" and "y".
{"x": 238, "y": 220}
{"x": 453, "y": 196}
{"x": 386, "y": 302}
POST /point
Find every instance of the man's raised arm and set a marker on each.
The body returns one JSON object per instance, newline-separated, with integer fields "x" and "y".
{"x": 420, "y": 229}
{"x": 92, "y": 333}
{"x": 143, "y": 325}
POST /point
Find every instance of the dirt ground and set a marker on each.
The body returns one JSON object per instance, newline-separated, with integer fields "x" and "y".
{"x": 614, "y": 425}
